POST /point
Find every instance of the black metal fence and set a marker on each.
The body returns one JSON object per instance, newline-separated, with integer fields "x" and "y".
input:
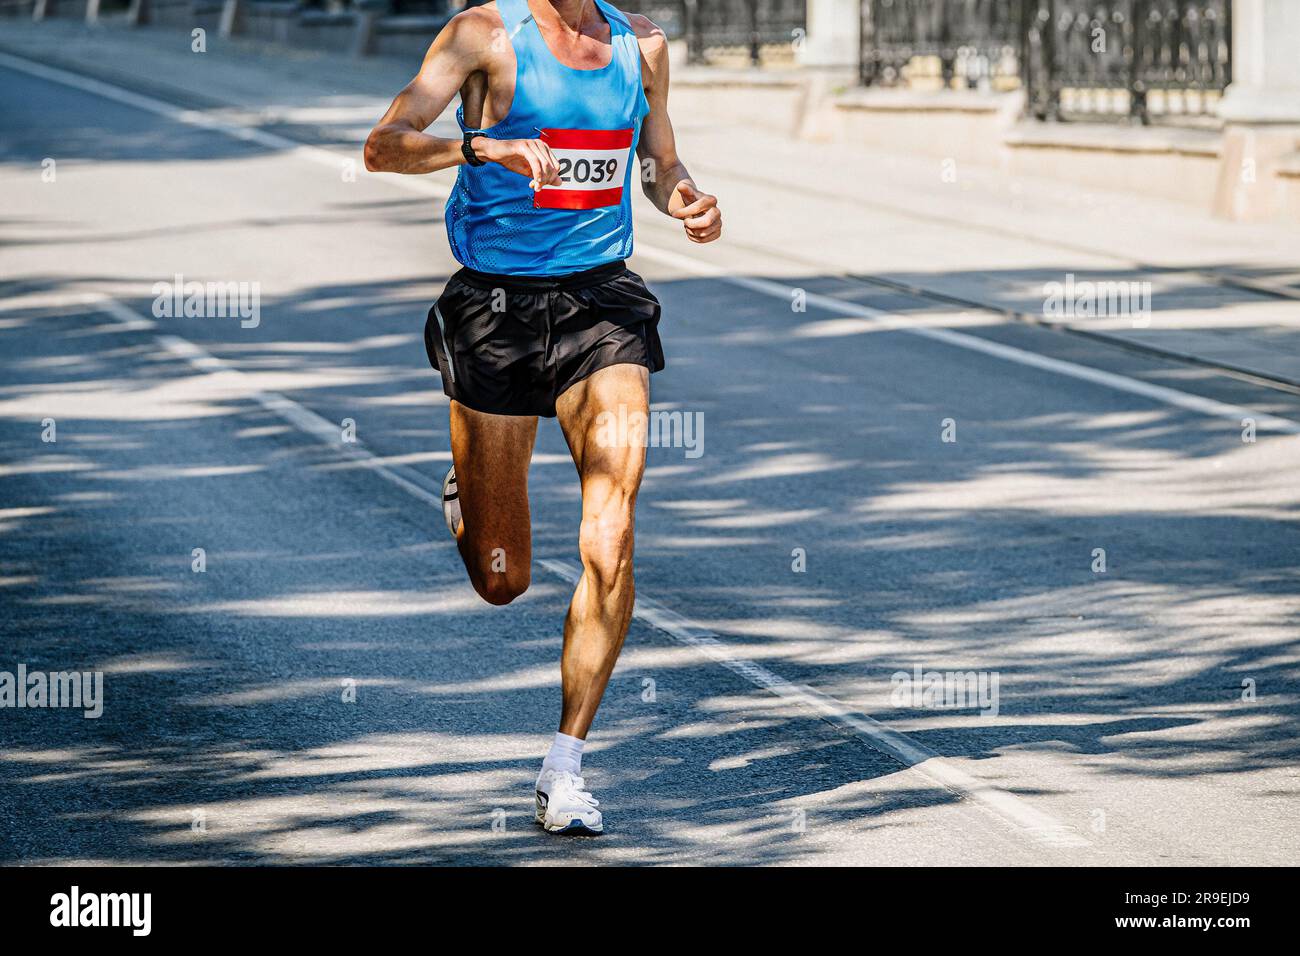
{"x": 754, "y": 30}
{"x": 1141, "y": 59}
{"x": 1133, "y": 57}
{"x": 970, "y": 40}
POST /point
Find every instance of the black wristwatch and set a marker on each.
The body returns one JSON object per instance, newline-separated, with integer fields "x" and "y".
{"x": 468, "y": 150}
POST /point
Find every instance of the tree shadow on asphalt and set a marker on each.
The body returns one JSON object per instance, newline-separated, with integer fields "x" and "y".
{"x": 225, "y": 688}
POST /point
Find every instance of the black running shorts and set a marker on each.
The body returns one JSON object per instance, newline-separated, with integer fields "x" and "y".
{"x": 512, "y": 345}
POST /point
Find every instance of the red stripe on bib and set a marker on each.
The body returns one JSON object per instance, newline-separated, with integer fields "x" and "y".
{"x": 552, "y": 198}
{"x": 588, "y": 138}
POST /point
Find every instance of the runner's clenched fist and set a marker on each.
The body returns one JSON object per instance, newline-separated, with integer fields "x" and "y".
{"x": 699, "y": 213}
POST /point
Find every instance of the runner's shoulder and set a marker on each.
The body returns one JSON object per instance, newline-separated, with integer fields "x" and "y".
{"x": 644, "y": 27}
{"x": 474, "y": 28}
{"x": 650, "y": 36}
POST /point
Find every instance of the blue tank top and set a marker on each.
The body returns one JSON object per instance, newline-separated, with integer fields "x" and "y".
{"x": 592, "y": 120}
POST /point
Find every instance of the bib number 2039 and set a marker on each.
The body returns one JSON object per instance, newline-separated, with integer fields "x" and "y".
{"x": 593, "y": 163}
{"x": 588, "y": 171}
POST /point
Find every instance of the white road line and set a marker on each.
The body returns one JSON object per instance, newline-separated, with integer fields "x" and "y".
{"x": 1023, "y": 819}
{"x": 245, "y": 132}
{"x": 776, "y": 290}
{"x": 303, "y": 418}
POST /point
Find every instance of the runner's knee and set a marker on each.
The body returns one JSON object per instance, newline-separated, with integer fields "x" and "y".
{"x": 499, "y": 574}
{"x": 500, "y": 587}
{"x": 605, "y": 542}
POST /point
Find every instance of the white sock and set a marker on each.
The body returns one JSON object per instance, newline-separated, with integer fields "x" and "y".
{"x": 566, "y": 754}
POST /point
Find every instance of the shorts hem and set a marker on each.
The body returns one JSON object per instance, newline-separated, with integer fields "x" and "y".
{"x": 482, "y": 410}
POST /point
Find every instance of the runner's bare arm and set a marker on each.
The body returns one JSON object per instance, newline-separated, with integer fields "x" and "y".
{"x": 399, "y": 143}
{"x": 664, "y": 178}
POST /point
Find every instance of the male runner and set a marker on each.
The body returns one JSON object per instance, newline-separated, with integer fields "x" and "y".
{"x": 545, "y": 318}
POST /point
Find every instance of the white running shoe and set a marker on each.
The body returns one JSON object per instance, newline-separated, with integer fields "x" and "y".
{"x": 451, "y": 501}
{"x": 564, "y": 807}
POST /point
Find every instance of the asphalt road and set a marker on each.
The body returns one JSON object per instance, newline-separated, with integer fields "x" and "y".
{"x": 752, "y": 718}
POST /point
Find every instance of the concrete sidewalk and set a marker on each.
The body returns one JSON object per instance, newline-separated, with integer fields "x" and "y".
{"x": 974, "y": 242}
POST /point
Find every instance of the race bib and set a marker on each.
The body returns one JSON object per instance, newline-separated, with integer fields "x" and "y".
{"x": 593, "y": 163}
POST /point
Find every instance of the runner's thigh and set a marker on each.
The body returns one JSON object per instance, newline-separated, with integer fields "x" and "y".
{"x": 604, "y": 419}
